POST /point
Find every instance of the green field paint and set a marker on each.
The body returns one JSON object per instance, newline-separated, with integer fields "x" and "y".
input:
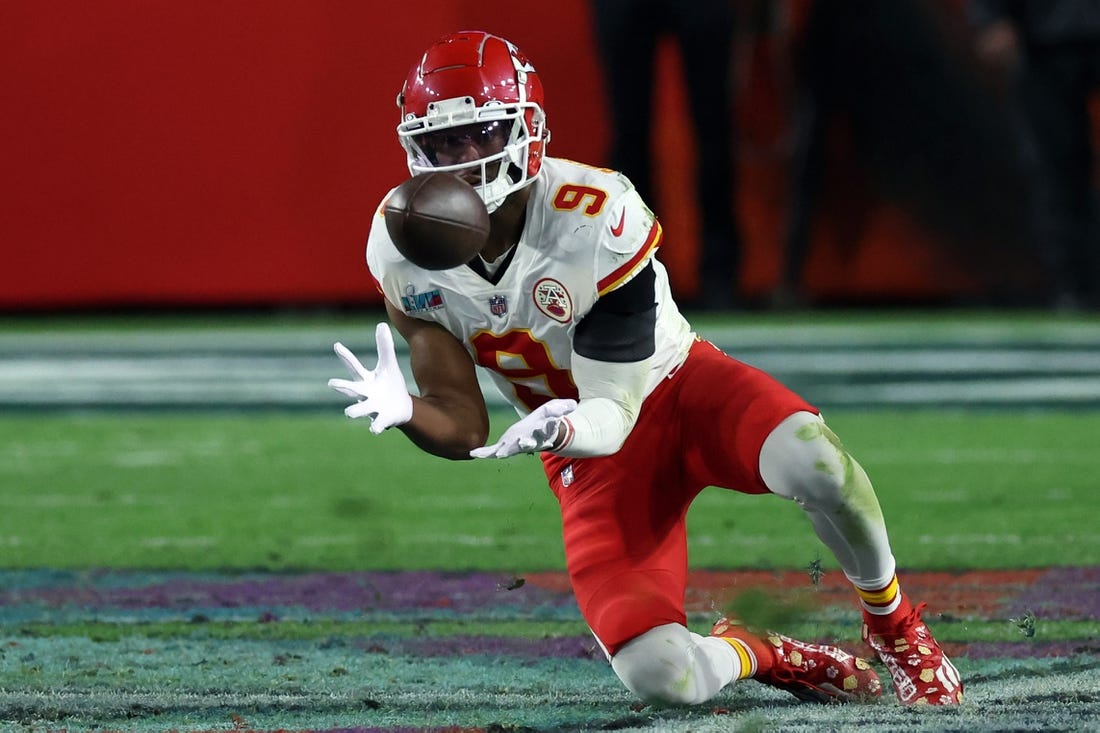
{"x": 279, "y": 499}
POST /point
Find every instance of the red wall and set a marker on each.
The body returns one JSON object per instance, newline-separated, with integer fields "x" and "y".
{"x": 231, "y": 153}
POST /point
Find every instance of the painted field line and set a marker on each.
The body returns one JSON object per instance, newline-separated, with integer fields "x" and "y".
{"x": 1002, "y": 359}
{"x": 968, "y": 391}
{"x": 78, "y": 700}
{"x": 179, "y": 541}
{"x": 969, "y": 540}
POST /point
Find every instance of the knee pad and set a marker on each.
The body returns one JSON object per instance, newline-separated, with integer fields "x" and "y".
{"x": 802, "y": 459}
{"x": 670, "y": 665}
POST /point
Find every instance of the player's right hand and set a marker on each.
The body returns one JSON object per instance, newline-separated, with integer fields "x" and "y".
{"x": 382, "y": 393}
{"x": 535, "y": 432}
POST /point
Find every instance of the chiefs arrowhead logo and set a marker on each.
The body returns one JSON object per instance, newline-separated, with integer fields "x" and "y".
{"x": 552, "y": 299}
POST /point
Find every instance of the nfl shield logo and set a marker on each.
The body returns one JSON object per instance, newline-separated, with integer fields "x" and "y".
{"x": 498, "y": 305}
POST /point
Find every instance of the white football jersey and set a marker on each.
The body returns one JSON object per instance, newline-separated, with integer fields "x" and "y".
{"x": 587, "y": 233}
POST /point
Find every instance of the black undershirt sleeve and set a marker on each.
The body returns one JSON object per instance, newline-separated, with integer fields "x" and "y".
{"x": 620, "y": 327}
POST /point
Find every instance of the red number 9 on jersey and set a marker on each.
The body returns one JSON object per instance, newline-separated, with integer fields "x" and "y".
{"x": 525, "y": 362}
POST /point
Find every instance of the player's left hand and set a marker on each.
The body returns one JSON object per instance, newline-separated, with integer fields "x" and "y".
{"x": 381, "y": 393}
{"x": 535, "y": 432}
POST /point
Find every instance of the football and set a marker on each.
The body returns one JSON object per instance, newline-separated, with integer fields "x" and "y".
{"x": 437, "y": 221}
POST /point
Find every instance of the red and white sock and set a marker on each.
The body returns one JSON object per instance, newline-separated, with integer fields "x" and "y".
{"x": 884, "y": 604}
{"x": 755, "y": 654}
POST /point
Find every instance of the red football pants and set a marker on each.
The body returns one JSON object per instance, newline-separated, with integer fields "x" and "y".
{"x": 624, "y": 515}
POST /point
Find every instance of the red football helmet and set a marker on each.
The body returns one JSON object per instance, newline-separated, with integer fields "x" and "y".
{"x": 475, "y": 88}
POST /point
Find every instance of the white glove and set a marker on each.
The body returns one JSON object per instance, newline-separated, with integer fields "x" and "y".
{"x": 532, "y": 434}
{"x": 382, "y": 394}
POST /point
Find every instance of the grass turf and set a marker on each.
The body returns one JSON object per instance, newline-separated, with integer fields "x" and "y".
{"x": 272, "y": 491}
{"x": 228, "y": 492}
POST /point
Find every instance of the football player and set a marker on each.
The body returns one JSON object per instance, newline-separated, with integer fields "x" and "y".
{"x": 632, "y": 413}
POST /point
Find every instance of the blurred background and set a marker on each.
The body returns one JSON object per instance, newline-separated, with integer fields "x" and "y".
{"x": 206, "y": 154}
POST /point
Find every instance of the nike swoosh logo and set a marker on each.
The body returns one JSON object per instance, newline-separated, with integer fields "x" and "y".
{"x": 617, "y": 230}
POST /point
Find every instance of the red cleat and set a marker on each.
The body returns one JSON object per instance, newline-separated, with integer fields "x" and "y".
{"x": 921, "y": 673}
{"x": 812, "y": 672}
